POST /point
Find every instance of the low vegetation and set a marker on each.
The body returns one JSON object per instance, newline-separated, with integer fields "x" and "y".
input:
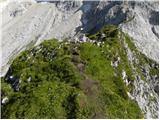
{"x": 72, "y": 80}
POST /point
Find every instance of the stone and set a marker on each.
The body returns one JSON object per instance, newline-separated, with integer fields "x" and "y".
{"x": 5, "y": 100}
{"x": 123, "y": 75}
{"x": 29, "y": 79}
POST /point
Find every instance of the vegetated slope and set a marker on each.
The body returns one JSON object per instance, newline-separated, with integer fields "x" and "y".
{"x": 92, "y": 79}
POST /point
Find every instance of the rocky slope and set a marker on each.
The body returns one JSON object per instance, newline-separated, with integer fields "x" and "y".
{"x": 25, "y": 21}
{"x": 33, "y": 22}
{"x": 130, "y": 74}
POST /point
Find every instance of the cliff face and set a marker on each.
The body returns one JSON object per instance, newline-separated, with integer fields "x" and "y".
{"x": 26, "y": 23}
{"x": 146, "y": 82}
{"x": 23, "y": 25}
{"x": 139, "y": 19}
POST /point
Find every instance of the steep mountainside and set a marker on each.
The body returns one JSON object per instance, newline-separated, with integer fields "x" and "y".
{"x": 102, "y": 62}
{"x": 26, "y": 21}
{"x": 99, "y": 76}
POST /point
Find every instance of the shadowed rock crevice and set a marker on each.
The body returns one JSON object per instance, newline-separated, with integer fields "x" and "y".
{"x": 154, "y": 18}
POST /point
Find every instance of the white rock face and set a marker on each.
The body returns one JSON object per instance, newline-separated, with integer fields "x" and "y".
{"x": 144, "y": 91}
{"x": 27, "y": 21}
{"x": 144, "y": 28}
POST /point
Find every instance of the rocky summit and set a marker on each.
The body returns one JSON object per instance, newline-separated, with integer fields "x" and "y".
{"x": 79, "y": 59}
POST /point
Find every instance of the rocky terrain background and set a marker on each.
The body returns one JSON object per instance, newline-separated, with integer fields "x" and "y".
{"x": 28, "y": 22}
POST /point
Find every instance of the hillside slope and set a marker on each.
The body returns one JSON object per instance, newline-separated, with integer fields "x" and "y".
{"x": 101, "y": 76}
{"x": 25, "y": 22}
